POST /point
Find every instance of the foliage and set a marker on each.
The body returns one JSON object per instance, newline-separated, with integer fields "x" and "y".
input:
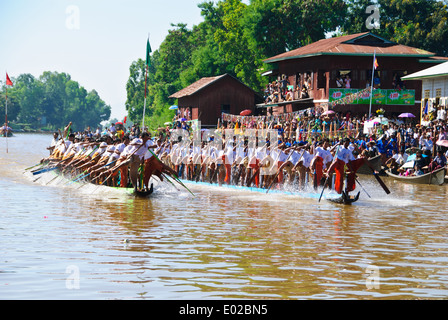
{"x": 53, "y": 100}
{"x": 235, "y": 38}
{"x": 417, "y": 23}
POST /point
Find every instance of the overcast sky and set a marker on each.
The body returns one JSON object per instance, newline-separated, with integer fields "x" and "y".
{"x": 94, "y": 41}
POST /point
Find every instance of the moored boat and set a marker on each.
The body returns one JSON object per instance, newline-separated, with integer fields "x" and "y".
{"x": 6, "y": 133}
{"x": 375, "y": 163}
{"x": 436, "y": 177}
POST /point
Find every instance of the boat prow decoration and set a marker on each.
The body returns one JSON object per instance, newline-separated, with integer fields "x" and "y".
{"x": 345, "y": 198}
{"x": 144, "y": 193}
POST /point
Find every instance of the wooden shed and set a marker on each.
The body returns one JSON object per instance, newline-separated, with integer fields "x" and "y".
{"x": 208, "y": 97}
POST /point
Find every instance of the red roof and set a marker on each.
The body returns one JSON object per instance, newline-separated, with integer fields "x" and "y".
{"x": 364, "y": 43}
{"x": 196, "y": 86}
{"x": 201, "y": 84}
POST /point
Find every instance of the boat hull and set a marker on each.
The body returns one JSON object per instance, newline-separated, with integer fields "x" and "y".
{"x": 342, "y": 199}
{"x": 375, "y": 162}
{"x": 436, "y": 177}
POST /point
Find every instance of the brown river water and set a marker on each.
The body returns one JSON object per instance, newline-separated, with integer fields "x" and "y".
{"x": 70, "y": 241}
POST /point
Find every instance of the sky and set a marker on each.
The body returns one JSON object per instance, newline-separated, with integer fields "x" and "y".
{"x": 93, "y": 41}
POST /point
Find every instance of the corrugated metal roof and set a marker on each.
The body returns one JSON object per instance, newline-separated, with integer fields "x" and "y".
{"x": 196, "y": 86}
{"x": 434, "y": 71}
{"x": 364, "y": 43}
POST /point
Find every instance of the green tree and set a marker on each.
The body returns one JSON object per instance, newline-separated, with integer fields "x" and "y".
{"x": 417, "y": 23}
{"x": 276, "y": 26}
{"x": 13, "y": 104}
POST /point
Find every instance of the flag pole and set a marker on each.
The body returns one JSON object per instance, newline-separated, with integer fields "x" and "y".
{"x": 6, "y": 116}
{"x": 144, "y": 105}
{"x": 147, "y": 64}
{"x": 371, "y": 85}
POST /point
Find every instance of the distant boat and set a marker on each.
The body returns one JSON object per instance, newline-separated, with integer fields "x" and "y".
{"x": 7, "y": 133}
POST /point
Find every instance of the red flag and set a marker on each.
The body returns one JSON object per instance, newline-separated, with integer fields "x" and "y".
{"x": 8, "y": 81}
{"x": 125, "y": 118}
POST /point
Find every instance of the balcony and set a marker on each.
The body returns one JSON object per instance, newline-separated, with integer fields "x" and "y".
{"x": 380, "y": 96}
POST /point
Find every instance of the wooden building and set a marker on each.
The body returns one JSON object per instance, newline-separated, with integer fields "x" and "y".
{"x": 208, "y": 97}
{"x": 434, "y": 83}
{"x": 317, "y": 66}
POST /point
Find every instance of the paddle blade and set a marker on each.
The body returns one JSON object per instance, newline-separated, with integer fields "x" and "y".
{"x": 382, "y": 184}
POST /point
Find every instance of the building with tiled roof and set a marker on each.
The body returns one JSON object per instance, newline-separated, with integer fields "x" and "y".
{"x": 318, "y": 65}
{"x": 208, "y": 97}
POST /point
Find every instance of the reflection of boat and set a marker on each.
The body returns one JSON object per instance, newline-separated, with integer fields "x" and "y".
{"x": 375, "y": 162}
{"x": 436, "y": 177}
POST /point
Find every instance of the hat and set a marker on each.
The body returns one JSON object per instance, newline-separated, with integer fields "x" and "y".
{"x": 103, "y": 145}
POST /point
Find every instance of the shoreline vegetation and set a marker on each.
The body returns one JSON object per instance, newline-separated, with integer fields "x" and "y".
{"x": 233, "y": 38}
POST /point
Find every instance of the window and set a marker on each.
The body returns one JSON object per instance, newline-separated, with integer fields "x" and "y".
{"x": 225, "y": 108}
{"x": 321, "y": 79}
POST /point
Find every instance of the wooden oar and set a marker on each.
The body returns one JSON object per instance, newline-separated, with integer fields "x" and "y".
{"x": 356, "y": 179}
{"x": 253, "y": 177}
{"x": 39, "y": 164}
{"x": 44, "y": 170}
{"x": 382, "y": 184}
{"x": 128, "y": 159}
{"x": 55, "y": 166}
{"x": 87, "y": 174}
{"x": 176, "y": 178}
{"x": 278, "y": 171}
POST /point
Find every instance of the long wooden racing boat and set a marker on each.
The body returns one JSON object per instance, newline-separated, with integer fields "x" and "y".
{"x": 341, "y": 199}
{"x": 436, "y": 177}
{"x": 376, "y": 165}
{"x": 128, "y": 191}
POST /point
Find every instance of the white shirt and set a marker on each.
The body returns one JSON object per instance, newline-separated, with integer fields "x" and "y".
{"x": 324, "y": 154}
{"x": 345, "y": 154}
{"x": 280, "y": 155}
{"x": 148, "y": 154}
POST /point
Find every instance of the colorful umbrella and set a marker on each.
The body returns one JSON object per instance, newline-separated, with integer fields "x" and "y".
{"x": 245, "y": 112}
{"x": 406, "y": 115}
{"x": 328, "y": 112}
{"x": 442, "y": 143}
{"x": 174, "y": 107}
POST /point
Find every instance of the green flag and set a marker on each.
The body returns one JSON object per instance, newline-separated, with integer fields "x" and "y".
{"x": 148, "y": 51}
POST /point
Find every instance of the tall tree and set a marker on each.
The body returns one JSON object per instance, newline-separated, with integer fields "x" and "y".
{"x": 277, "y": 26}
{"x": 417, "y": 23}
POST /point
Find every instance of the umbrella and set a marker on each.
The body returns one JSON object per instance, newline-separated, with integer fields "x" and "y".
{"x": 182, "y": 119}
{"x": 174, "y": 107}
{"x": 442, "y": 143}
{"x": 245, "y": 112}
{"x": 406, "y": 115}
{"x": 119, "y": 122}
{"x": 328, "y": 112}
{"x": 167, "y": 123}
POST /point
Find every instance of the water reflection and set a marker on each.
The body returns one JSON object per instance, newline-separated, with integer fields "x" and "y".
{"x": 219, "y": 244}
